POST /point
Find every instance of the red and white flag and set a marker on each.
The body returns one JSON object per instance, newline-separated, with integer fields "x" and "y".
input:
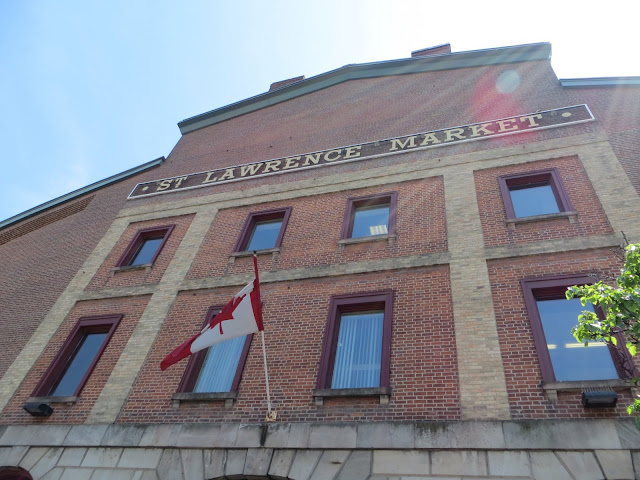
{"x": 241, "y": 316}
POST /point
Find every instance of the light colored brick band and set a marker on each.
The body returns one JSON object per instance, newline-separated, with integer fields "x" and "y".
{"x": 121, "y": 380}
{"x": 483, "y": 388}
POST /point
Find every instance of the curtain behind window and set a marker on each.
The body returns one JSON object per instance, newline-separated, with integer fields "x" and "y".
{"x": 359, "y": 351}
{"x": 220, "y": 366}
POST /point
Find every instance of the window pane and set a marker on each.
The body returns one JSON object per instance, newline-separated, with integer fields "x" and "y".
{"x": 534, "y": 200}
{"x": 78, "y": 365}
{"x": 359, "y": 351}
{"x": 220, "y": 366}
{"x": 372, "y": 220}
{"x": 146, "y": 251}
{"x": 264, "y": 235}
{"x": 571, "y": 360}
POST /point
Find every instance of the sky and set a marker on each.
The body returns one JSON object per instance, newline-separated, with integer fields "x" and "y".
{"x": 89, "y": 89}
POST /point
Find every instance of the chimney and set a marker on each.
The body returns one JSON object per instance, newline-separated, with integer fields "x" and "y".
{"x": 282, "y": 83}
{"x": 437, "y": 50}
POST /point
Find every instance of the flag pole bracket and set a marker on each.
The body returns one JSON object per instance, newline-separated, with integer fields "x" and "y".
{"x": 271, "y": 416}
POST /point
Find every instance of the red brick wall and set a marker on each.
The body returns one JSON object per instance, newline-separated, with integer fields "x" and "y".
{"x": 107, "y": 278}
{"x": 591, "y": 218}
{"x": 367, "y": 110}
{"x": 313, "y": 231}
{"x": 38, "y": 264}
{"x": 423, "y": 365}
{"x": 522, "y": 368}
{"x": 616, "y": 111}
{"x": 132, "y": 308}
{"x": 46, "y": 218}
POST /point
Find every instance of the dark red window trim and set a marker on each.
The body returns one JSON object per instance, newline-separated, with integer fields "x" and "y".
{"x": 369, "y": 200}
{"x": 254, "y": 217}
{"x": 552, "y": 288}
{"x": 140, "y": 237}
{"x": 190, "y": 377}
{"x": 550, "y": 176}
{"x": 103, "y": 324}
{"x": 354, "y": 303}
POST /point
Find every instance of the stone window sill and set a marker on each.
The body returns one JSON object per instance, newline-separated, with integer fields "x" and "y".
{"x": 128, "y": 268}
{"x": 228, "y": 398}
{"x": 320, "y": 394}
{"x": 373, "y": 238}
{"x": 69, "y": 400}
{"x": 552, "y": 388}
{"x": 513, "y": 222}
{"x": 275, "y": 252}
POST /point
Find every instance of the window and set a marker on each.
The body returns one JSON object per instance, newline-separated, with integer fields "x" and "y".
{"x": 370, "y": 216}
{"x": 217, "y": 368}
{"x": 77, "y": 358}
{"x": 145, "y": 246}
{"x": 534, "y": 193}
{"x": 562, "y": 357}
{"x": 263, "y": 230}
{"x": 357, "y": 344}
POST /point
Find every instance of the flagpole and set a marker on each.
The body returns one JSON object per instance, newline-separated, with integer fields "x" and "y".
{"x": 271, "y": 415}
{"x": 266, "y": 376}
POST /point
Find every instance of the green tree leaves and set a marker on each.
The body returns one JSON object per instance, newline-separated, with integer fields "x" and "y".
{"x": 621, "y": 306}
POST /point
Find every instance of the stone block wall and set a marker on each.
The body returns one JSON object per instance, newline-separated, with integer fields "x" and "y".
{"x": 298, "y": 451}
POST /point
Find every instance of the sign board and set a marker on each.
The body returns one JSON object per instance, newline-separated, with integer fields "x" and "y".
{"x": 436, "y": 138}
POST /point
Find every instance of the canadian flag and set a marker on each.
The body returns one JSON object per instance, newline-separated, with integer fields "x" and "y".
{"x": 241, "y": 316}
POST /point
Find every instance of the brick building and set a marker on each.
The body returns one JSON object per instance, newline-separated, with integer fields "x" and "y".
{"x": 416, "y": 222}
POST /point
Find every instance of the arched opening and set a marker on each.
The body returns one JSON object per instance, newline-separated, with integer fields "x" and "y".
{"x": 14, "y": 473}
{"x": 252, "y": 477}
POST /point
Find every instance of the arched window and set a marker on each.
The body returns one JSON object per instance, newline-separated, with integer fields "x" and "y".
{"x": 14, "y": 473}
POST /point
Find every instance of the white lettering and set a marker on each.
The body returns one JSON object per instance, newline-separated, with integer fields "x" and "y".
{"x": 336, "y": 156}
{"x": 291, "y": 162}
{"x": 454, "y": 132}
{"x": 312, "y": 159}
{"x": 272, "y": 165}
{"x": 530, "y": 119}
{"x": 209, "y": 179}
{"x": 227, "y": 175}
{"x": 505, "y": 125}
{"x": 352, "y": 152}
{"x": 249, "y": 169}
{"x": 398, "y": 143}
{"x": 476, "y": 129}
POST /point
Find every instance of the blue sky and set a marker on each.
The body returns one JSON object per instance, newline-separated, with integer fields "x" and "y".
{"x": 90, "y": 89}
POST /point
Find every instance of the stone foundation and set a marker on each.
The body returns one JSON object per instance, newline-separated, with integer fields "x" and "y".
{"x": 302, "y": 451}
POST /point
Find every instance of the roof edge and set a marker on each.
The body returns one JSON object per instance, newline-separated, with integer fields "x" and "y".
{"x": 600, "y": 82}
{"x": 447, "y": 61}
{"x": 81, "y": 191}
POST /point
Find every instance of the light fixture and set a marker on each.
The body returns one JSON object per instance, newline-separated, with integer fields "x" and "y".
{"x": 38, "y": 409}
{"x": 599, "y": 399}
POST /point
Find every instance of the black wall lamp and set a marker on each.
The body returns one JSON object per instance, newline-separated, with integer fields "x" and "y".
{"x": 599, "y": 399}
{"x": 38, "y": 409}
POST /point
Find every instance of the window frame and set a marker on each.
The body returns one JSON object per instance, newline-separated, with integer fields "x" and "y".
{"x": 550, "y": 176}
{"x": 57, "y": 368}
{"x": 355, "y": 302}
{"x": 196, "y": 361}
{"x": 138, "y": 240}
{"x": 252, "y": 220}
{"x": 354, "y": 203}
{"x": 554, "y": 288}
